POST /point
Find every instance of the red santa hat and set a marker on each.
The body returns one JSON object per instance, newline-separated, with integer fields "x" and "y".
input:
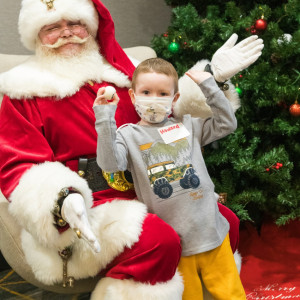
{"x": 35, "y": 14}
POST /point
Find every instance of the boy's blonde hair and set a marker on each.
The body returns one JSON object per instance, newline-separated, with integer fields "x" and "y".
{"x": 156, "y": 65}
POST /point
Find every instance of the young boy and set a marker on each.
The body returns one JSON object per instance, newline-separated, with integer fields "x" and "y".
{"x": 169, "y": 173}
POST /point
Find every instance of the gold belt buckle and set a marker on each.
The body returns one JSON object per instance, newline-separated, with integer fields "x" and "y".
{"x": 118, "y": 181}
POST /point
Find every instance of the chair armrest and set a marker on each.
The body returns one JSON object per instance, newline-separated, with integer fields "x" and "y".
{"x": 8, "y": 61}
{"x": 140, "y": 53}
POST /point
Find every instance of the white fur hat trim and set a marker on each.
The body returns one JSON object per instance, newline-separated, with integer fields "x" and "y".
{"x": 35, "y": 14}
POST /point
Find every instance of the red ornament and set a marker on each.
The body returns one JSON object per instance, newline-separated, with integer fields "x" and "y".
{"x": 166, "y": 34}
{"x": 261, "y": 24}
{"x": 295, "y": 109}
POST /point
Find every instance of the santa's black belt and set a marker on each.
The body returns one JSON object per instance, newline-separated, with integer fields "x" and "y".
{"x": 99, "y": 180}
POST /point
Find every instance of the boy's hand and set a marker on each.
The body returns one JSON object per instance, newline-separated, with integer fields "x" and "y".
{"x": 198, "y": 76}
{"x": 102, "y": 99}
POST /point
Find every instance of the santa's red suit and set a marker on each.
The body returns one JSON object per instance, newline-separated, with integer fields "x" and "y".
{"x": 47, "y": 124}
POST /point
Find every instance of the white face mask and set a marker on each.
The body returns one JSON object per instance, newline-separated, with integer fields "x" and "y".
{"x": 153, "y": 109}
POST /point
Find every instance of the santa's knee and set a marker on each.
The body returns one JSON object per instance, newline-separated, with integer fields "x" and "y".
{"x": 163, "y": 247}
{"x": 153, "y": 259}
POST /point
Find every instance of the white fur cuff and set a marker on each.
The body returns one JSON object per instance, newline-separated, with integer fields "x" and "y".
{"x": 33, "y": 199}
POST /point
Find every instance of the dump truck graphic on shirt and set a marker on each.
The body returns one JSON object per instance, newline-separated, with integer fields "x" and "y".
{"x": 164, "y": 174}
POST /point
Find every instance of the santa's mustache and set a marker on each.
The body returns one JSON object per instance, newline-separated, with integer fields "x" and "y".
{"x": 63, "y": 41}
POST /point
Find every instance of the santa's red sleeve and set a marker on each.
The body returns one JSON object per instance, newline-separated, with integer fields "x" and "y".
{"x": 29, "y": 177}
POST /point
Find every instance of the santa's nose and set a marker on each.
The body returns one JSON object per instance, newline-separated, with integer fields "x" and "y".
{"x": 66, "y": 32}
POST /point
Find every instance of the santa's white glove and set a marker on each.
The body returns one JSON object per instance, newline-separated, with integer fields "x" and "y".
{"x": 230, "y": 59}
{"x": 74, "y": 212}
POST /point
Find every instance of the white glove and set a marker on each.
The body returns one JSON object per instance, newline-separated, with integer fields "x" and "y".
{"x": 230, "y": 59}
{"x": 74, "y": 212}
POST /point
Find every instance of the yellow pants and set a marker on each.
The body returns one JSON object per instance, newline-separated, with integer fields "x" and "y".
{"x": 218, "y": 271}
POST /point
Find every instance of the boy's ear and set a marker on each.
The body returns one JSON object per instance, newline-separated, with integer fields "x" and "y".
{"x": 177, "y": 95}
{"x": 131, "y": 95}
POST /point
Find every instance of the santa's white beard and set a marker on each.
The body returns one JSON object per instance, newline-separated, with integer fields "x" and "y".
{"x": 83, "y": 65}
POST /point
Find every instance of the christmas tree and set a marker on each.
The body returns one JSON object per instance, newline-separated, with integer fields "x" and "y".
{"x": 258, "y": 165}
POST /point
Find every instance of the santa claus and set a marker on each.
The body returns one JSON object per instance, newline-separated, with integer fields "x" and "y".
{"x": 73, "y": 215}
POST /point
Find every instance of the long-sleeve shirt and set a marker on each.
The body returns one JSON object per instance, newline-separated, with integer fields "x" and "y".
{"x": 171, "y": 178}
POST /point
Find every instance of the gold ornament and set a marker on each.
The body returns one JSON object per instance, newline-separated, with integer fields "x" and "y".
{"x": 222, "y": 198}
{"x": 119, "y": 182}
{"x": 49, "y": 3}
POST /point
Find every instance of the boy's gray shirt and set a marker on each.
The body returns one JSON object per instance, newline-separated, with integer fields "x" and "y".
{"x": 190, "y": 205}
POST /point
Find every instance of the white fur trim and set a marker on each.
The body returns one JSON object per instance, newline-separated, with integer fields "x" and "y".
{"x": 33, "y": 200}
{"x": 116, "y": 289}
{"x": 192, "y": 101}
{"x": 34, "y": 15}
{"x": 238, "y": 260}
{"x": 117, "y": 225}
{"x": 31, "y": 79}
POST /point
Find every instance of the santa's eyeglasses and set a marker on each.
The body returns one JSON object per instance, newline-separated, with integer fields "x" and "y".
{"x": 57, "y": 30}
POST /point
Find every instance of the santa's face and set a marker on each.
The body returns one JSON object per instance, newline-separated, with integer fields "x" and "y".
{"x": 66, "y": 37}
